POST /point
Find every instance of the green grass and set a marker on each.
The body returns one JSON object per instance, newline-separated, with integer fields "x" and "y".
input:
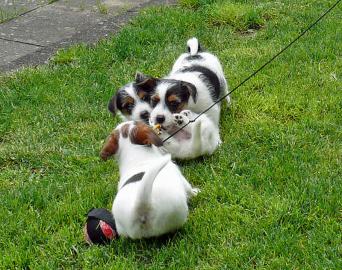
{"x": 239, "y": 16}
{"x": 271, "y": 194}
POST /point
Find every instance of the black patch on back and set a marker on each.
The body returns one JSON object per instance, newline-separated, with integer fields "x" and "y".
{"x": 135, "y": 178}
{"x": 194, "y": 57}
{"x": 209, "y": 77}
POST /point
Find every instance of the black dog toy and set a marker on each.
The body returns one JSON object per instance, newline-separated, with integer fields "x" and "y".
{"x": 100, "y": 227}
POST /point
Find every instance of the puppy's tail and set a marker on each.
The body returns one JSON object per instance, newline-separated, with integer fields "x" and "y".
{"x": 193, "y": 46}
{"x": 144, "y": 193}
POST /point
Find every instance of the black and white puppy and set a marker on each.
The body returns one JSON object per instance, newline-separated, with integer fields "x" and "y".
{"x": 152, "y": 192}
{"x": 195, "y": 82}
{"x": 132, "y": 101}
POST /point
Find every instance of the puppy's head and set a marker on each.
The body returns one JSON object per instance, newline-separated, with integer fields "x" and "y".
{"x": 128, "y": 134}
{"x": 171, "y": 96}
{"x": 133, "y": 100}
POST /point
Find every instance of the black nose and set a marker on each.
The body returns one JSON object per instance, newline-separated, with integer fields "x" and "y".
{"x": 144, "y": 115}
{"x": 160, "y": 119}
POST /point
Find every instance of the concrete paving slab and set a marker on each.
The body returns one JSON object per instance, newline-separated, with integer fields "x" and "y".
{"x": 48, "y": 25}
{"x": 13, "y": 8}
{"x": 59, "y": 25}
{"x": 11, "y": 51}
{"x": 100, "y": 6}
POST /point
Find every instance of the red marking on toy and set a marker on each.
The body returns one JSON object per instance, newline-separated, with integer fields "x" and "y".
{"x": 107, "y": 230}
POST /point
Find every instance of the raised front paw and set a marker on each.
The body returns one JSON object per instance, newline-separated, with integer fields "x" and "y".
{"x": 194, "y": 191}
{"x": 186, "y": 113}
{"x": 180, "y": 119}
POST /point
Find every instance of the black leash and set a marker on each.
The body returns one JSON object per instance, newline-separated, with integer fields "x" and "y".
{"x": 257, "y": 71}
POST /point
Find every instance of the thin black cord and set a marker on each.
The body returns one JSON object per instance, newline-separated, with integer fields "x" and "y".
{"x": 257, "y": 71}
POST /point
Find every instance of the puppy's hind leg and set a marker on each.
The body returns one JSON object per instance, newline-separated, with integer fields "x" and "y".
{"x": 190, "y": 191}
{"x": 210, "y": 136}
{"x": 225, "y": 91}
{"x": 196, "y": 146}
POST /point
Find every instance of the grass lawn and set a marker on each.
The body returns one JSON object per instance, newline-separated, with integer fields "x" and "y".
{"x": 271, "y": 194}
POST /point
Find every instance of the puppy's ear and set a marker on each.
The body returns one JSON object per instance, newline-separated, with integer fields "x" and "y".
{"x": 191, "y": 89}
{"x": 145, "y": 81}
{"x": 111, "y": 146}
{"x": 140, "y": 77}
{"x": 144, "y": 135}
{"x": 112, "y": 104}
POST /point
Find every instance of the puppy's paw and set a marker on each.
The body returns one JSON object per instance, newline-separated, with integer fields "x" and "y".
{"x": 186, "y": 113}
{"x": 180, "y": 119}
{"x": 195, "y": 191}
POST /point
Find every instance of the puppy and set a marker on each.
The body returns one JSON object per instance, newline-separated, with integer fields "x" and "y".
{"x": 195, "y": 82}
{"x": 152, "y": 192}
{"x": 132, "y": 101}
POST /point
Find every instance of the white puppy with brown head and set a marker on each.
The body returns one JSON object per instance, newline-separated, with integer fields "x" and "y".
{"x": 132, "y": 101}
{"x": 152, "y": 192}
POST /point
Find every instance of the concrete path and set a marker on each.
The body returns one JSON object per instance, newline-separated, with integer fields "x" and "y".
{"x": 40, "y": 27}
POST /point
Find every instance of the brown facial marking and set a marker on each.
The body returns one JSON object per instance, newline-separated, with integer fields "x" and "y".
{"x": 181, "y": 106}
{"x": 144, "y": 135}
{"x": 111, "y": 146}
{"x": 173, "y": 98}
{"x": 155, "y": 100}
{"x": 125, "y": 130}
{"x": 127, "y": 105}
{"x": 177, "y": 98}
{"x": 175, "y": 103}
{"x": 143, "y": 95}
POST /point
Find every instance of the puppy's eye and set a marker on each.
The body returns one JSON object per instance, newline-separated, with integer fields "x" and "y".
{"x": 154, "y": 102}
{"x": 145, "y": 98}
{"x": 128, "y": 107}
{"x": 174, "y": 104}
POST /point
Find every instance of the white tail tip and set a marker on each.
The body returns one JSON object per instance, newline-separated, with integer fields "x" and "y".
{"x": 193, "y": 46}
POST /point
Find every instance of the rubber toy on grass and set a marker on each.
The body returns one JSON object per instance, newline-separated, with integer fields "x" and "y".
{"x": 100, "y": 227}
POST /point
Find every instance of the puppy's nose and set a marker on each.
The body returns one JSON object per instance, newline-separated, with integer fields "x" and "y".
{"x": 160, "y": 119}
{"x": 144, "y": 115}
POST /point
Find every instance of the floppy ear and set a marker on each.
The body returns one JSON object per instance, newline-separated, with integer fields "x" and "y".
{"x": 112, "y": 104}
{"x": 144, "y": 135}
{"x": 191, "y": 89}
{"x": 145, "y": 81}
{"x": 111, "y": 146}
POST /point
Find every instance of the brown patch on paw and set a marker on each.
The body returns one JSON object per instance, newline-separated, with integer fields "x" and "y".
{"x": 144, "y": 135}
{"x": 111, "y": 146}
